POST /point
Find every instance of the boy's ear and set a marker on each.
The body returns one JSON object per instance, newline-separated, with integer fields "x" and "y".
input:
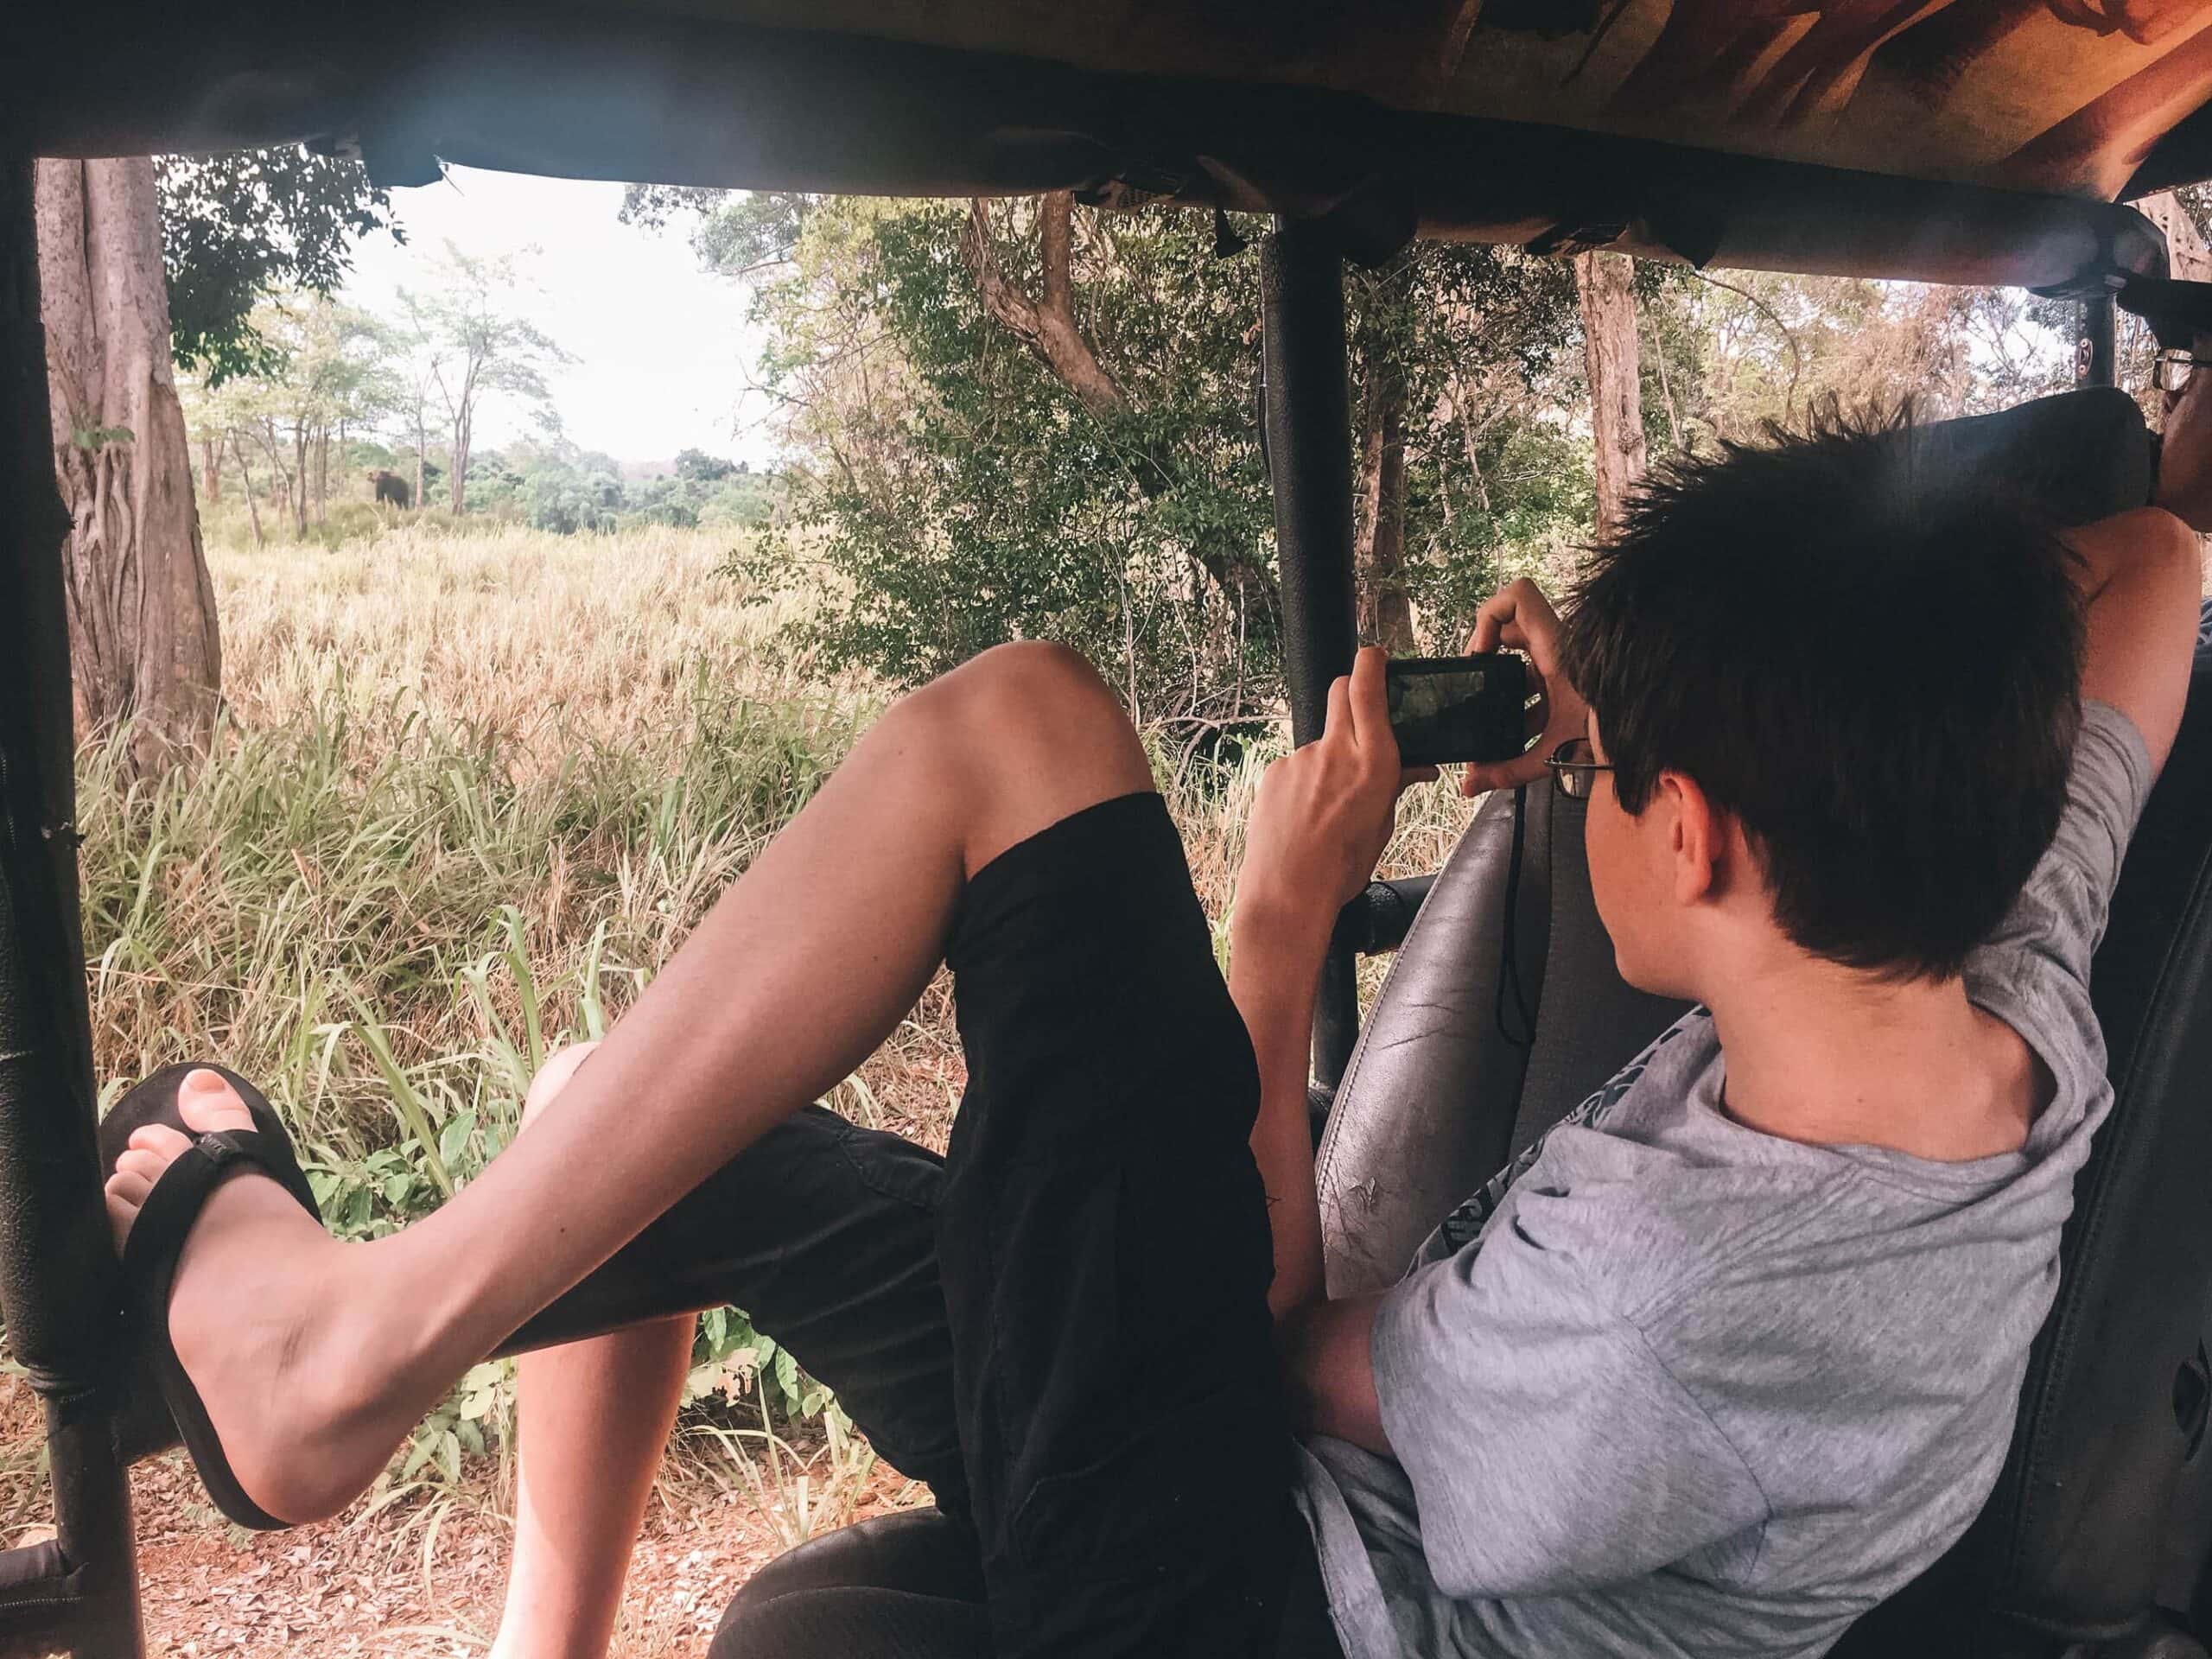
{"x": 1698, "y": 835}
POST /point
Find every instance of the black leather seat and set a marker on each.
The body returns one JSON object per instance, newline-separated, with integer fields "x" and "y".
{"x": 2096, "y": 1540}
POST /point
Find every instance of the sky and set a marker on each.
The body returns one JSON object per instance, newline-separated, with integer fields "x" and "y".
{"x": 662, "y": 352}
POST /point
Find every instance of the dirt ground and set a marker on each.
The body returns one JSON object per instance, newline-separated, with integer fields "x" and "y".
{"x": 421, "y": 1578}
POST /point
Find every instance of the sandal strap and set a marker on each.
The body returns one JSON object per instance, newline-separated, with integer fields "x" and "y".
{"x": 165, "y": 1220}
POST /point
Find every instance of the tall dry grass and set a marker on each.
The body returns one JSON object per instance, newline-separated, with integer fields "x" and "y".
{"x": 473, "y": 789}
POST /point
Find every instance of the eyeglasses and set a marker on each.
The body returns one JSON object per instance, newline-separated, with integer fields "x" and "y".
{"x": 2172, "y": 369}
{"x": 1575, "y": 767}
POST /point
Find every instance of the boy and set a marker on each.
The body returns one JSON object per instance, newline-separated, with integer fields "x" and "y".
{"x": 1731, "y": 1356}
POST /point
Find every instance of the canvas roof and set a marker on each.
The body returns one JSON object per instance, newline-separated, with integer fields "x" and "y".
{"x": 1947, "y": 139}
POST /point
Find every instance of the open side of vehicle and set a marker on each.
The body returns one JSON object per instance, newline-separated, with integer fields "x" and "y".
{"x": 1357, "y": 132}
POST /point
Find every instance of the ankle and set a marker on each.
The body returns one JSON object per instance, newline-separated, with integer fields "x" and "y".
{"x": 531, "y": 1637}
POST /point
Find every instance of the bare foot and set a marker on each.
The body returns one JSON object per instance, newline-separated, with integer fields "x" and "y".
{"x": 258, "y": 1316}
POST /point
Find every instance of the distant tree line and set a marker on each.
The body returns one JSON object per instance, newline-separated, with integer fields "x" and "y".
{"x": 340, "y": 406}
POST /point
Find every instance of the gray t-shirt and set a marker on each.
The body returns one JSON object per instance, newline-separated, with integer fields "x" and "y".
{"x": 1672, "y": 1386}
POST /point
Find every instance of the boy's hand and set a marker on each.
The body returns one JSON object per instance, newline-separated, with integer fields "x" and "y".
{"x": 1519, "y": 618}
{"x": 1325, "y": 811}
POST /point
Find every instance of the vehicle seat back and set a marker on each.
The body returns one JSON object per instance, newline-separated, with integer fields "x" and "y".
{"x": 1450, "y": 1078}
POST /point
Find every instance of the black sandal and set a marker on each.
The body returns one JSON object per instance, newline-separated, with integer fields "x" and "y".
{"x": 150, "y": 1255}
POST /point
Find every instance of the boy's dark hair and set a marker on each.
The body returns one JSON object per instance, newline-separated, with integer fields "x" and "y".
{"x": 1872, "y": 657}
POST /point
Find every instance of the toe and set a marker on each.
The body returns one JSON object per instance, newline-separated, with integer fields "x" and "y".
{"x": 127, "y": 1188}
{"x": 120, "y": 1214}
{"x": 207, "y": 1103}
{"x": 145, "y": 1166}
{"x": 159, "y": 1139}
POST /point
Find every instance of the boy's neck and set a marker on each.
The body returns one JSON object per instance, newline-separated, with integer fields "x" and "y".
{"x": 1833, "y": 1056}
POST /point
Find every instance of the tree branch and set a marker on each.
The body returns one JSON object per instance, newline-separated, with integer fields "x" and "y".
{"x": 1048, "y": 328}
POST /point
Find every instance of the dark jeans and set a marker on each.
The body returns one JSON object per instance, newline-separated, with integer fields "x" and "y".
{"x": 1061, "y": 1325}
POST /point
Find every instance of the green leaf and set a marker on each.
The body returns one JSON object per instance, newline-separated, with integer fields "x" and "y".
{"x": 404, "y": 1099}
{"x": 453, "y": 1142}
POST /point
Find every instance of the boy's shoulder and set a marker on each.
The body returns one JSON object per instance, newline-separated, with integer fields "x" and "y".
{"x": 1671, "y": 1213}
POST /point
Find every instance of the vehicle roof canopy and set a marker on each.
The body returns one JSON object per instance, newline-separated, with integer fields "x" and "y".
{"x": 1951, "y": 140}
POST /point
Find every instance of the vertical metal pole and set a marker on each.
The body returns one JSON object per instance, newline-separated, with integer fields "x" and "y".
{"x": 2098, "y": 360}
{"x": 1309, "y": 448}
{"x": 57, "y": 1269}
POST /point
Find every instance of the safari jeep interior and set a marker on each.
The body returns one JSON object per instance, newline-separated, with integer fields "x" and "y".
{"x": 1959, "y": 141}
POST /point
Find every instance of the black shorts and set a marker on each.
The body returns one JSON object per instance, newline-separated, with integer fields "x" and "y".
{"x": 1062, "y": 1324}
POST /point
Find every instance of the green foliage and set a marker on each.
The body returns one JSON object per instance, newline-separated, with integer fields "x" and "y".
{"x": 964, "y": 497}
{"x": 696, "y": 466}
{"x": 736, "y": 234}
{"x": 236, "y": 228}
{"x": 465, "y": 339}
{"x": 1724, "y": 353}
{"x": 568, "y": 497}
{"x": 323, "y": 367}
{"x": 729, "y": 1359}
{"x": 554, "y": 485}
{"x": 952, "y": 491}
{"x": 1486, "y": 346}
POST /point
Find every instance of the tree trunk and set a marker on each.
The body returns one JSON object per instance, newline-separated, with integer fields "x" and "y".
{"x": 279, "y": 488}
{"x": 142, "y": 608}
{"x": 321, "y": 474}
{"x": 1045, "y": 322}
{"x": 1386, "y": 613}
{"x": 211, "y": 469}
{"x": 1467, "y": 441}
{"x": 300, "y": 473}
{"x": 245, "y": 483}
{"x": 422, "y": 443}
{"x": 1601, "y": 283}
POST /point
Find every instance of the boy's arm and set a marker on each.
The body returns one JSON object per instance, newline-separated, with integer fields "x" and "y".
{"x": 1329, "y": 1371}
{"x": 2140, "y": 575}
{"x": 1275, "y": 960}
{"x": 1275, "y": 953}
{"x": 1322, "y": 817}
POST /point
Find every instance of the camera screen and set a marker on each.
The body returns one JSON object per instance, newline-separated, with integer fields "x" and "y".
{"x": 1434, "y": 713}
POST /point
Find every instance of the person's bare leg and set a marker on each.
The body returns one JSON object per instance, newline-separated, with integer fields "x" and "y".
{"x": 313, "y": 1357}
{"x": 595, "y": 1419}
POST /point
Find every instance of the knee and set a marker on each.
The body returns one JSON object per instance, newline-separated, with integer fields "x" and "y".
{"x": 552, "y": 1077}
{"x": 1034, "y": 675}
{"x": 1036, "y": 700}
